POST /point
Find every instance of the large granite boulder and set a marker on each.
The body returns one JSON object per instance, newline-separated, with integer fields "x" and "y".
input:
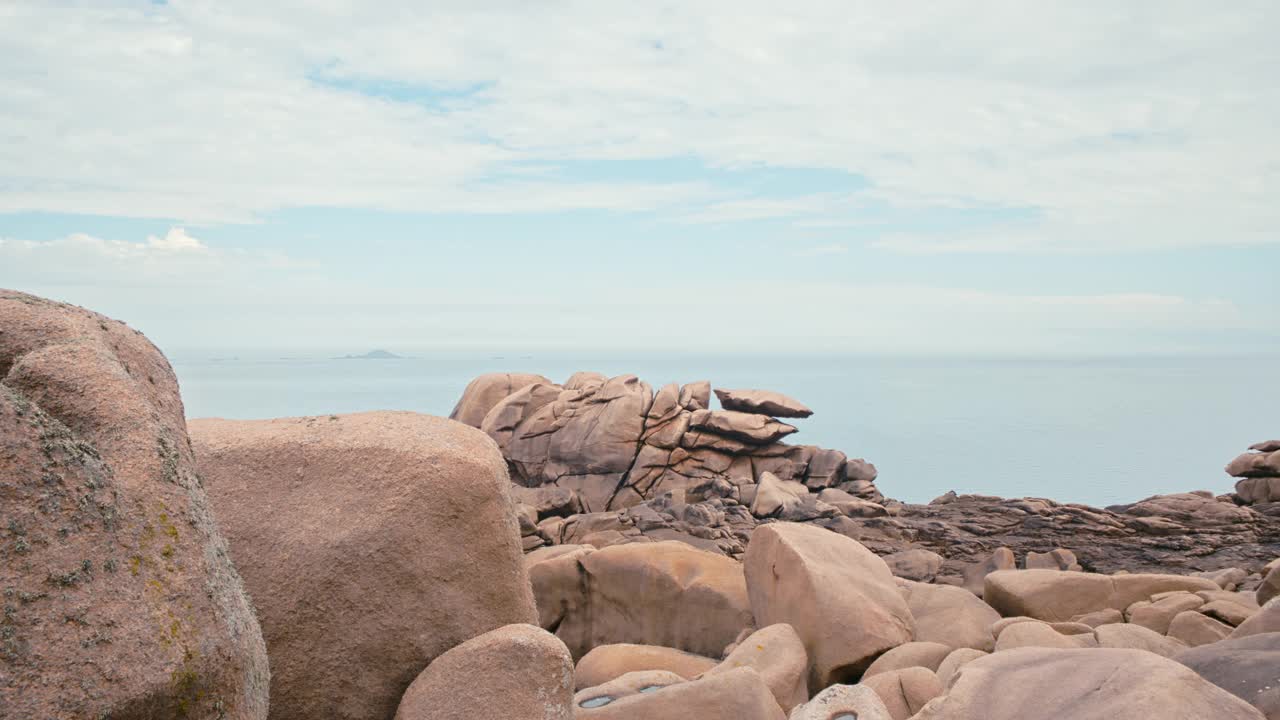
{"x": 517, "y": 672}
{"x": 950, "y": 615}
{"x": 778, "y": 654}
{"x": 1082, "y": 684}
{"x": 1057, "y": 595}
{"x": 488, "y": 390}
{"x": 840, "y": 597}
{"x": 119, "y": 598}
{"x": 370, "y": 544}
{"x": 1247, "y": 667}
{"x": 662, "y": 593}
{"x": 906, "y": 691}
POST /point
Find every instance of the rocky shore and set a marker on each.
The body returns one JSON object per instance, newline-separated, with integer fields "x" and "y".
{"x": 595, "y": 549}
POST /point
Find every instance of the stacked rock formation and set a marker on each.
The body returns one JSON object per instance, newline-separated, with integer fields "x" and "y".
{"x": 616, "y": 443}
{"x": 1259, "y": 473}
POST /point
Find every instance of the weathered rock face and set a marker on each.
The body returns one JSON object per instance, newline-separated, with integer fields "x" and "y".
{"x": 778, "y": 654}
{"x": 119, "y": 598}
{"x": 739, "y": 694}
{"x": 1259, "y": 473}
{"x": 370, "y": 544}
{"x": 1060, "y": 595}
{"x": 1182, "y": 533}
{"x": 840, "y": 702}
{"x": 1247, "y": 667}
{"x": 617, "y": 443}
{"x": 840, "y": 598}
{"x": 609, "y": 662}
{"x": 664, "y": 593}
{"x": 517, "y": 672}
{"x": 950, "y": 616}
{"x": 762, "y": 402}
{"x": 488, "y": 390}
{"x": 1083, "y": 684}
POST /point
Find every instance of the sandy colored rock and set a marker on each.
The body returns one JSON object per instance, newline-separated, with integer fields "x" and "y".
{"x": 954, "y": 661}
{"x": 1195, "y": 629}
{"x": 778, "y": 654}
{"x": 775, "y": 497}
{"x": 1266, "y": 620}
{"x": 1091, "y": 684}
{"x": 975, "y": 575}
{"x": 488, "y": 390}
{"x": 904, "y": 692}
{"x": 841, "y": 702}
{"x": 951, "y": 616}
{"x": 928, "y": 655}
{"x": 1136, "y": 637}
{"x": 841, "y": 599}
{"x": 556, "y": 579}
{"x": 1248, "y": 668}
{"x": 1037, "y": 634}
{"x": 747, "y": 427}
{"x": 1157, "y": 615}
{"x": 1228, "y": 611}
{"x": 1270, "y": 586}
{"x": 370, "y": 543}
{"x": 119, "y": 598}
{"x": 609, "y": 662}
{"x": 1106, "y": 616}
{"x": 762, "y": 402}
{"x": 738, "y": 694}
{"x": 1060, "y": 595}
{"x": 1255, "y": 464}
{"x": 517, "y": 672}
{"x": 1057, "y": 559}
{"x": 623, "y": 686}
{"x": 915, "y": 564}
{"x": 663, "y": 593}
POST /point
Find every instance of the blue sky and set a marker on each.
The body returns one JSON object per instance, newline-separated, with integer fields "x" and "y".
{"x": 967, "y": 178}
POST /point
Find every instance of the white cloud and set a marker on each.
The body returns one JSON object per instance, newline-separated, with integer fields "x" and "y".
{"x": 1138, "y": 124}
{"x": 178, "y": 258}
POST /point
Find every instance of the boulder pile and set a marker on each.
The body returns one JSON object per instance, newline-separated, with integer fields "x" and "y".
{"x": 616, "y": 443}
{"x": 1259, "y": 473}
{"x": 655, "y": 558}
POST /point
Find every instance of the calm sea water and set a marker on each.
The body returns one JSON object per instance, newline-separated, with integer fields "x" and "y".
{"x": 1098, "y": 431}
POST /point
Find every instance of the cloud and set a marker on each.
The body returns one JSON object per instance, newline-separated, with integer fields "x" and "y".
{"x": 1142, "y": 125}
{"x": 176, "y": 259}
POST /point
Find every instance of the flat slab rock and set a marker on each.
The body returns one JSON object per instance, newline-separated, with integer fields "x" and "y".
{"x": 762, "y": 402}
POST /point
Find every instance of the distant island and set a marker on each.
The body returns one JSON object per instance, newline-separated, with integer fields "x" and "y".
{"x": 373, "y": 355}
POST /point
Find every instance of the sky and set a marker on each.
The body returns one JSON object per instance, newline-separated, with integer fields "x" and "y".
{"x": 977, "y": 177}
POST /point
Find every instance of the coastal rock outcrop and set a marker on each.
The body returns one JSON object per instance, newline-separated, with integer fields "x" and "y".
{"x": 488, "y": 390}
{"x": 370, "y": 543}
{"x": 1259, "y": 473}
{"x": 616, "y": 442}
{"x": 119, "y": 598}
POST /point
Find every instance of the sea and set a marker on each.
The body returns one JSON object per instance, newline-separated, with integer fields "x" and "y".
{"x": 1100, "y": 431}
